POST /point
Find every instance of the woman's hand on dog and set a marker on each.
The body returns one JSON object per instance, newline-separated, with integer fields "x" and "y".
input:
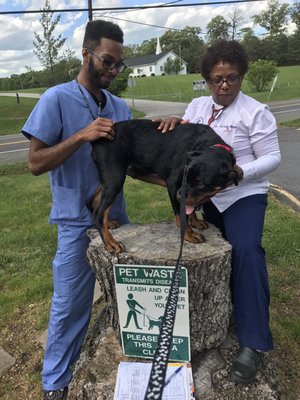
{"x": 168, "y": 124}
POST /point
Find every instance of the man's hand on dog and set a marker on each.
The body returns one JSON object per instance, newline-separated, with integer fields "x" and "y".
{"x": 99, "y": 128}
{"x": 169, "y": 123}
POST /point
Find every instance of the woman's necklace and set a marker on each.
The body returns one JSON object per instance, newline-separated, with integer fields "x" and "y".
{"x": 88, "y": 104}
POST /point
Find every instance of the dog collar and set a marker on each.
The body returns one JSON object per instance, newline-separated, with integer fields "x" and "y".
{"x": 224, "y": 146}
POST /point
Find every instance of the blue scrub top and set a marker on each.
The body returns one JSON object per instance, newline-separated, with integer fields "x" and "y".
{"x": 61, "y": 112}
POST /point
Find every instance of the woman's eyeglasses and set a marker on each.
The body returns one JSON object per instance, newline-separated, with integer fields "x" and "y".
{"x": 231, "y": 80}
{"x": 108, "y": 64}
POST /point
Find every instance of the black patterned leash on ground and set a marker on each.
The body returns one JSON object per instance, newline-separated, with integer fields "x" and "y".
{"x": 161, "y": 357}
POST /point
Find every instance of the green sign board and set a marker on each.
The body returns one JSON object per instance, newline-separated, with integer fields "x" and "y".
{"x": 142, "y": 293}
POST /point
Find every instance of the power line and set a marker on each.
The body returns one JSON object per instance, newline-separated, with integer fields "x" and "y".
{"x": 168, "y": 5}
{"x": 142, "y": 23}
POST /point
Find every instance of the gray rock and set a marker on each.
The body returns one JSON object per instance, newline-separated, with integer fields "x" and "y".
{"x": 6, "y": 361}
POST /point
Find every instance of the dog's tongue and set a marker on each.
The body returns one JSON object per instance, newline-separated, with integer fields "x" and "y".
{"x": 189, "y": 209}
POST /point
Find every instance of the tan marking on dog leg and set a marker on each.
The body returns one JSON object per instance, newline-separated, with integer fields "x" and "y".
{"x": 112, "y": 224}
{"x": 110, "y": 243}
{"x": 193, "y": 237}
{"x": 95, "y": 200}
{"x": 196, "y": 223}
{"x": 190, "y": 236}
{"x": 177, "y": 220}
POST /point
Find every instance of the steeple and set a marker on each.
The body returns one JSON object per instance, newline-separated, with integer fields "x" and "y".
{"x": 158, "y": 48}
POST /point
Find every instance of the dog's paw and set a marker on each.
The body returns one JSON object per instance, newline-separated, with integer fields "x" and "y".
{"x": 194, "y": 237}
{"x": 199, "y": 224}
{"x": 112, "y": 224}
{"x": 114, "y": 247}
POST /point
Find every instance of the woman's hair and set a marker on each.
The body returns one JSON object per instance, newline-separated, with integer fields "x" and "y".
{"x": 222, "y": 50}
{"x": 98, "y": 29}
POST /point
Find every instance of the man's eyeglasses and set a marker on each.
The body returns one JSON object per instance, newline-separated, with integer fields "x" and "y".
{"x": 231, "y": 80}
{"x": 108, "y": 64}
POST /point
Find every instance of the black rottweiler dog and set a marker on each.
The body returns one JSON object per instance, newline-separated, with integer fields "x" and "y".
{"x": 138, "y": 143}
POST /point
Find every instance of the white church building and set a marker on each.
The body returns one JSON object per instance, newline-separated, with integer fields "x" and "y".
{"x": 153, "y": 64}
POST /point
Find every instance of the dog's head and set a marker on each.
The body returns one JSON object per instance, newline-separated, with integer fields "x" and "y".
{"x": 207, "y": 173}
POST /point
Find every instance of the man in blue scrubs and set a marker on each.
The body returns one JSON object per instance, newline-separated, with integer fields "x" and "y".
{"x": 61, "y": 127}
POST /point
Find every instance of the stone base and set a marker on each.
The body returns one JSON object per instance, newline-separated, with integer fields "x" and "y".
{"x": 213, "y": 343}
{"x": 96, "y": 372}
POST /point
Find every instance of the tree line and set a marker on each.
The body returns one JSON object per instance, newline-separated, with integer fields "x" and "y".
{"x": 189, "y": 43}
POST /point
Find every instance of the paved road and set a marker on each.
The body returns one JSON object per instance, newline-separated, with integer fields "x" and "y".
{"x": 14, "y": 148}
{"x": 282, "y": 110}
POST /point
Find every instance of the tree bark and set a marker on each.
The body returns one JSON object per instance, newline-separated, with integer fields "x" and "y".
{"x": 208, "y": 266}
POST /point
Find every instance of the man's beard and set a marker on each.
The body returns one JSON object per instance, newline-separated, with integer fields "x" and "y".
{"x": 95, "y": 76}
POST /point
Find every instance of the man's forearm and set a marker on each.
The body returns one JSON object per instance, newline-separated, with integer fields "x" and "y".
{"x": 44, "y": 159}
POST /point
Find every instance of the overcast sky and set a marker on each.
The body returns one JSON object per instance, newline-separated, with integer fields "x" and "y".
{"x": 17, "y": 31}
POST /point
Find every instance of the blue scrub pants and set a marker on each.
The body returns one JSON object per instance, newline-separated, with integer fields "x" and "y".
{"x": 72, "y": 302}
{"x": 242, "y": 225}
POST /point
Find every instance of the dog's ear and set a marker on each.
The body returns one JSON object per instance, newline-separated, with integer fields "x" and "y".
{"x": 192, "y": 154}
{"x": 233, "y": 175}
{"x": 233, "y": 158}
{"x": 196, "y": 173}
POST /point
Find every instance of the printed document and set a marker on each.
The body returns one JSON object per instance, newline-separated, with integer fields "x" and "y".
{"x": 133, "y": 377}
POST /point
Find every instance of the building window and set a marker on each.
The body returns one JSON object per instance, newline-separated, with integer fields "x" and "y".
{"x": 150, "y": 69}
{"x": 161, "y": 67}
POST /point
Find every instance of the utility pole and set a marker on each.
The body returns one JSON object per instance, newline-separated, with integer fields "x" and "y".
{"x": 90, "y": 7}
{"x": 180, "y": 57}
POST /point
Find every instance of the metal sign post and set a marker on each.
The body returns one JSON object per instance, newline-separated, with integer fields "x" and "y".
{"x": 132, "y": 83}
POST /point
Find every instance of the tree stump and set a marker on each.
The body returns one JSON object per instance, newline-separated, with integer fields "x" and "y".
{"x": 208, "y": 266}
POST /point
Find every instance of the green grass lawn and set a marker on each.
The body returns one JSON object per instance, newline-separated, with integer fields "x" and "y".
{"x": 166, "y": 88}
{"x": 180, "y": 87}
{"x": 13, "y": 115}
{"x": 28, "y": 245}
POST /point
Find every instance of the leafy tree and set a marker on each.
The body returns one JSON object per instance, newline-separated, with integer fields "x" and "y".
{"x": 252, "y": 44}
{"x": 172, "y": 66}
{"x": 293, "y": 57}
{"x": 186, "y": 43}
{"x": 6, "y": 84}
{"x": 119, "y": 84}
{"x": 31, "y": 80}
{"x": 63, "y": 69}
{"x": 274, "y": 18}
{"x": 16, "y": 81}
{"x": 148, "y": 47}
{"x": 131, "y": 50}
{"x": 295, "y": 14}
{"x": 217, "y": 28}
{"x": 168, "y": 66}
{"x": 260, "y": 74}
{"x": 275, "y": 48}
{"x": 47, "y": 47}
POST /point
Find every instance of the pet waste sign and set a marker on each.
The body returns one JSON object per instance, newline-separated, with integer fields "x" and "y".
{"x": 199, "y": 86}
{"x": 142, "y": 293}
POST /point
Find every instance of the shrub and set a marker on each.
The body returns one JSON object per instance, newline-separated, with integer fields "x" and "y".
{"x": 261, "y": 73}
